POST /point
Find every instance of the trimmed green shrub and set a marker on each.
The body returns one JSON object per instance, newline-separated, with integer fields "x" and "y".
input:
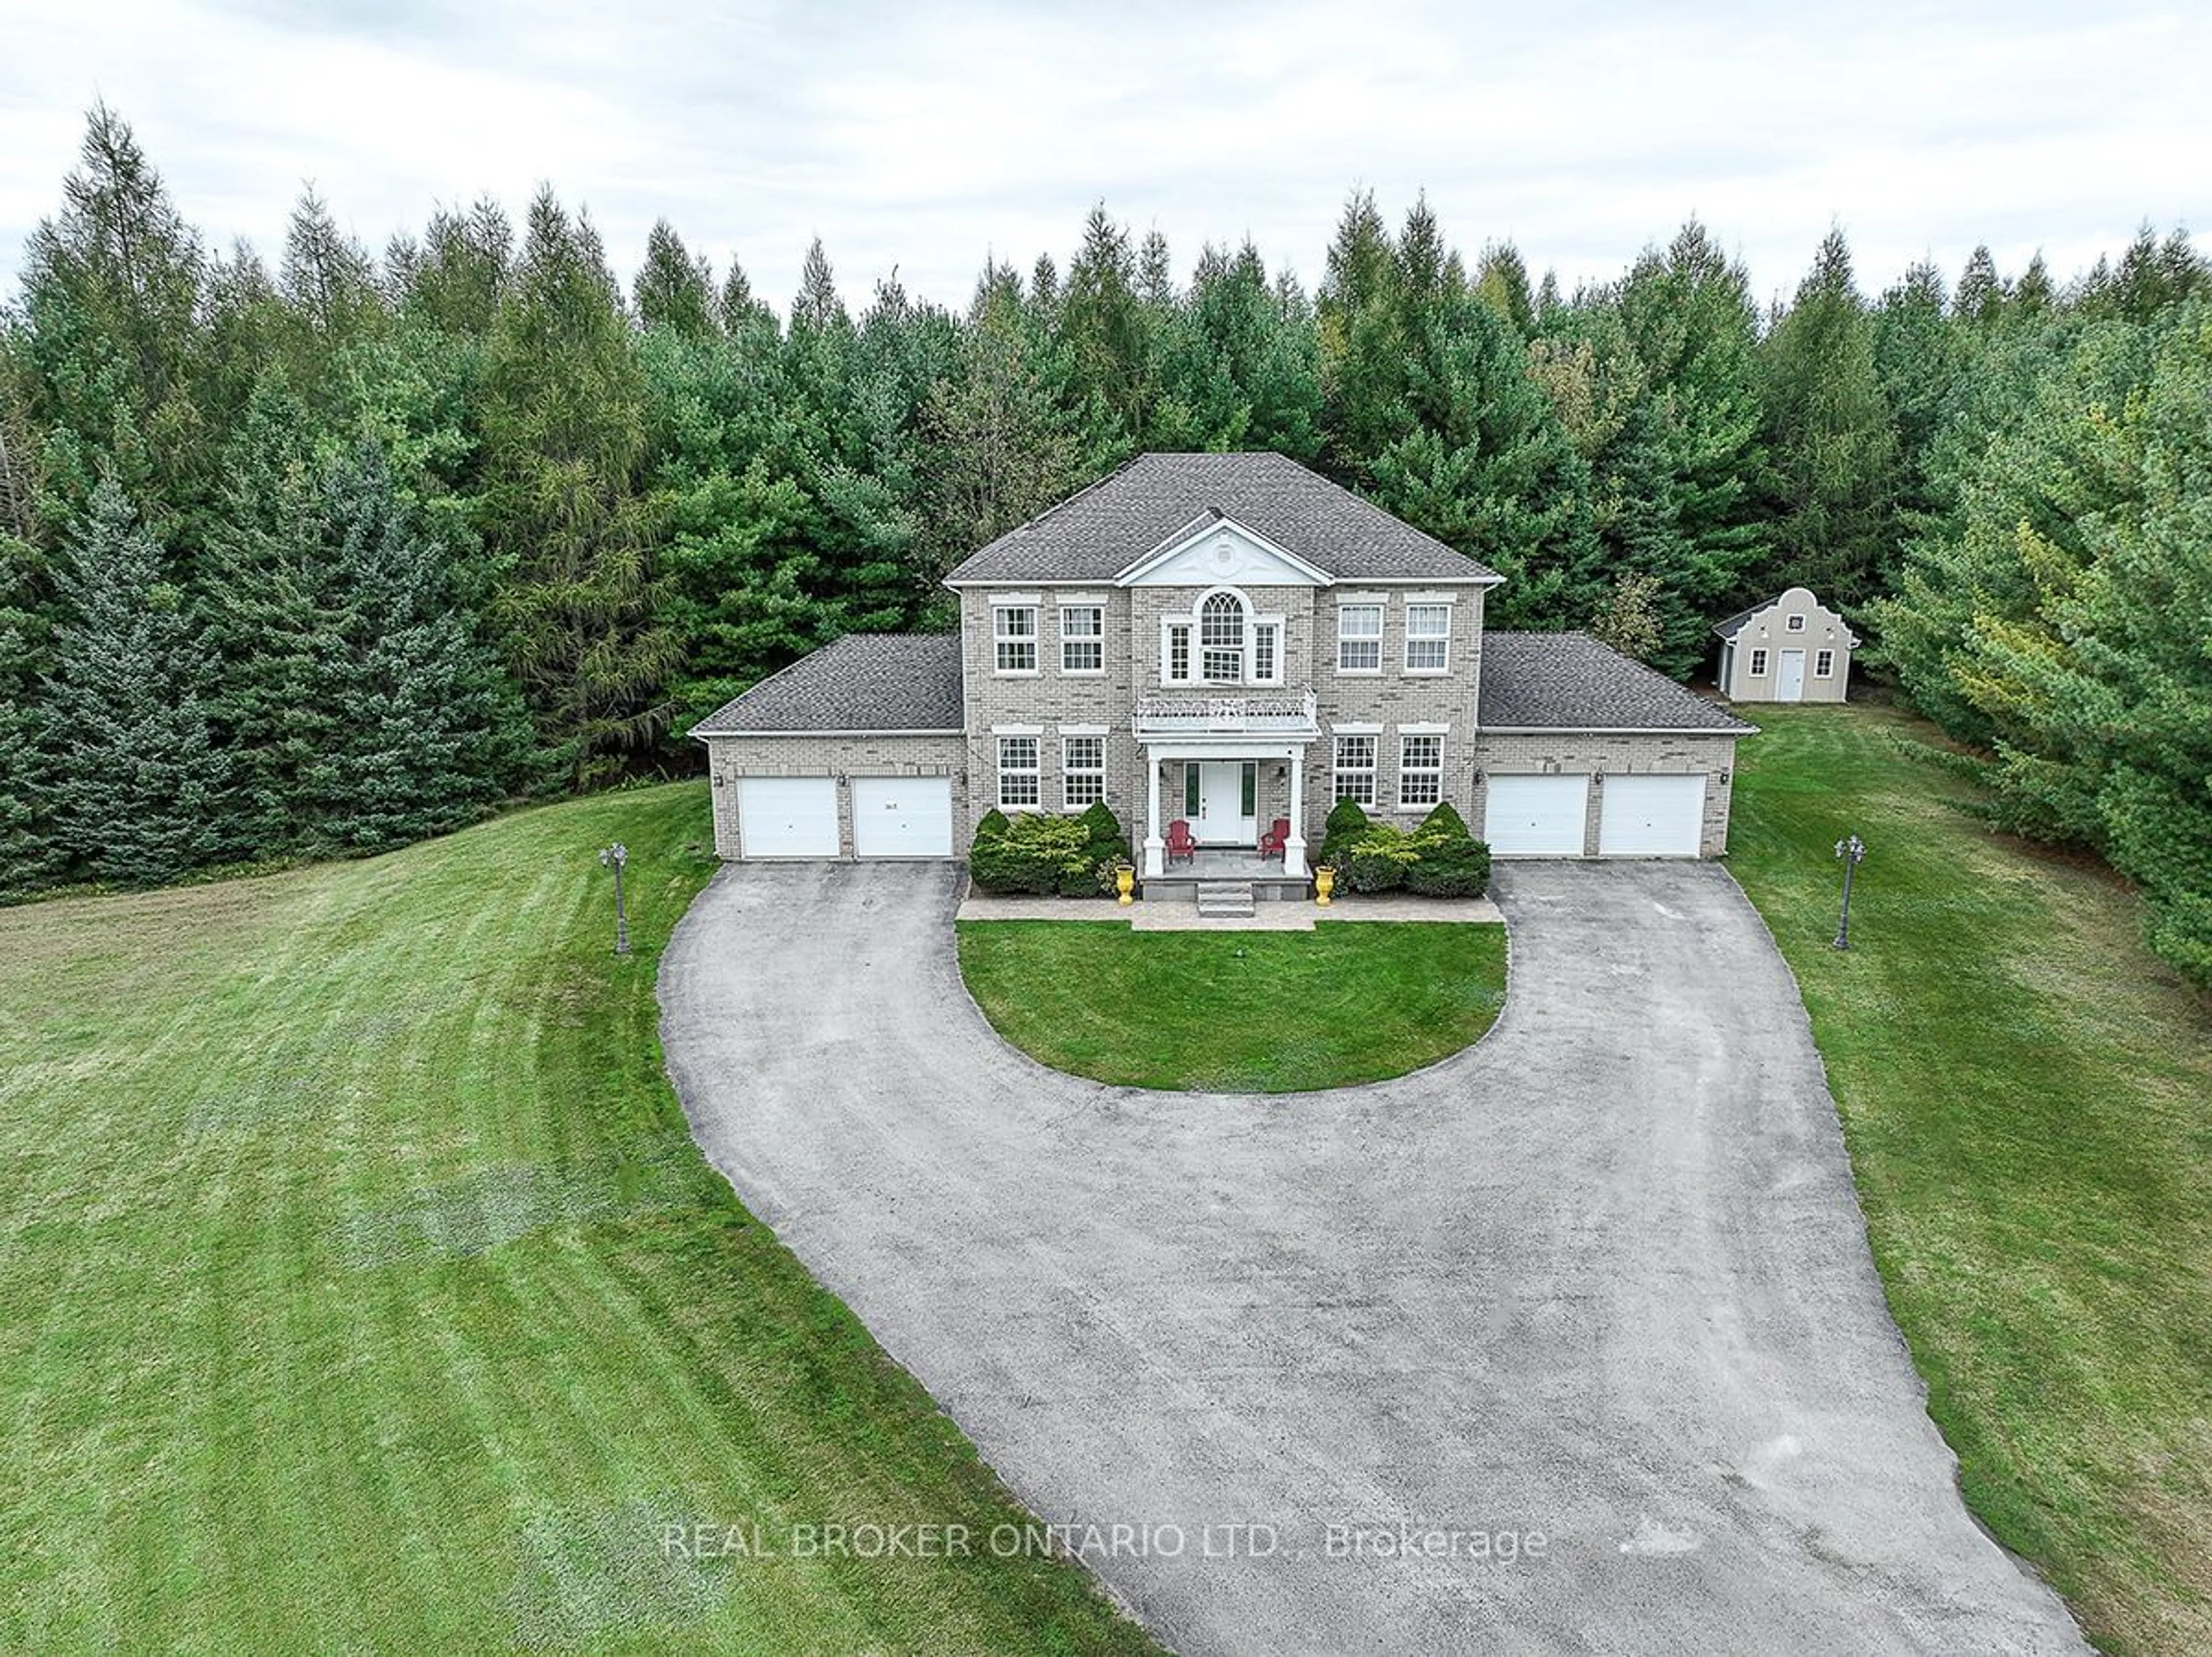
{"x": 1448, "y": 866}
{"x": 1443, "y": 818}
{"x": 1102, "y": 828}
{"x": 993, "y": 825}
{"x": 1347, "y": 822}
{"x": 1379, "y": 860}
{"x": 1036, "y": 855}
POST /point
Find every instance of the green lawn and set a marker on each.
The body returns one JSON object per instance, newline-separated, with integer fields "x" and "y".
{"x": 1237, "y": 1012}
{"x": 363, "y": 1292}
{"x": 2027, "y": 1096}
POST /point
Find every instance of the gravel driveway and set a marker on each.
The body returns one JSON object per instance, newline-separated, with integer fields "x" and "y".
{"x": 1594, "y": 1294}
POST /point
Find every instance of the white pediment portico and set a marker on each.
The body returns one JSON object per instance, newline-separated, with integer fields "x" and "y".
{"x": 1220, "y": 552}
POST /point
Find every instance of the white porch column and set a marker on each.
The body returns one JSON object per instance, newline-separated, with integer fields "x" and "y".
{"x": 1294, "y": 849}
{"x": 1155, "y": 847}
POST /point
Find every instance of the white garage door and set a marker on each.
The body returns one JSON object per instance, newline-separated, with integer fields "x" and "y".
{"x": 903, "y": 816}
{"x": 1651, "y": 817}
{"x": 787, "y": 816}
{"x": 1535, "y": 816}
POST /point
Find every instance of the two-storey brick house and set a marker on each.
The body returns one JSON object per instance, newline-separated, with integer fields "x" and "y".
{"x": 1224, "y": 641}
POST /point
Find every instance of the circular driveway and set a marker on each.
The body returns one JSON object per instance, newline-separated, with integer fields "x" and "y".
{"x": 1595, "y": 1293}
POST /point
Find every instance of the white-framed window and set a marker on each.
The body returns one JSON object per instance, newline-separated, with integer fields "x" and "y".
{"x": 1421, "y": 769}
{"x": 1014, "y": 638}
{"x": 1353, "y": 772}
{"x": 1082, "y": 639}
{"x": 1758, "y": 662}
{"x": 1019, "y": 787}
{"x": 1824, "y": 663}
{"x": 1221, "y": 639}
{"x": 1082, "y": 771}
{"x": 1428, "y": 638}
{"x": 1175, "y": 653}
{"x": 1267, "y": 653}
{"x": 1359, "y": 638}
{"x": 1794, "y": 624}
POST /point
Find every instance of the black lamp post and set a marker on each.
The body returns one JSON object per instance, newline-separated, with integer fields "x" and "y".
{"x": 613, "y": 857}
{"x": 1852, "y": 851}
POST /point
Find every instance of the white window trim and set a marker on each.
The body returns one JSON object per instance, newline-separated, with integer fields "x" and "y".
{"x": 1069, "y": 771}
{"x": 1827, "y": 656}
{"x": 1034, "y": 772}
{"x": 1757, "y": 666}
{"x": 1353, "y": 728}
{"x": 1339, "y": 771}
{"x": 1414, "y": 733}
{"x": 1376, "y": 603}
{"x": 1097, "y": 637}
{"x": 1406, "y": 661}
{"x": 1167, "y": 625}
{"x": 1254, "y": 620}
{"x": 1033, "y": 638}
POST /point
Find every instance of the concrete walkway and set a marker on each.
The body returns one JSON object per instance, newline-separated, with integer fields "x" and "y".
{"x": 1594, "y": 1294}
{"x": 1171, "y": 917}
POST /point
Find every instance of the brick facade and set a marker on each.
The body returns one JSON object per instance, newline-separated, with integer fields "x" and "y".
{"x": 800, "y": 755}
{"x": 1596, "y": 755}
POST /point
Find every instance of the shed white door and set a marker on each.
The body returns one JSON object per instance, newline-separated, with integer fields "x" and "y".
{"x": 1651, "y": 817}
{"x": 903, "y": 816}
{"x": 787, "y": 816}
{"x": 1789, "y": 683}
{"x": 1535, "y": 815}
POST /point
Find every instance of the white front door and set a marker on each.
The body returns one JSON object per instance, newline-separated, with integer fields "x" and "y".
{"x": 1220, "y": 797}
{"x": 902, "y": 817}
{"x": 1789, "y": 683}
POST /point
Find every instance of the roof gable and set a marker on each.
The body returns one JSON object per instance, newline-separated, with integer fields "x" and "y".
{"x": 1217, "y": 550}
{"x": 1099, "y": 533}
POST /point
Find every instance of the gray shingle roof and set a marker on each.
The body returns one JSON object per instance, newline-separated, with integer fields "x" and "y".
{"x": 862, "y": 681}
{"x": 1570, "y": 682}
{"x": 1094, "y": 534}
{"x": 1728, "y": 629}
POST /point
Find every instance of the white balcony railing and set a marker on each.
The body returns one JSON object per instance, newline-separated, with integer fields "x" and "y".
{"x": 1205, "y": 713}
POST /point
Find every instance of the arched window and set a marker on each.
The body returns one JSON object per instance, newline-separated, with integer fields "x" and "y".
{"x": 1221, "y": 639}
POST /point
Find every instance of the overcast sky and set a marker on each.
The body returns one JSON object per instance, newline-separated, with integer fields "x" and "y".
{"x": 929, "y": 135}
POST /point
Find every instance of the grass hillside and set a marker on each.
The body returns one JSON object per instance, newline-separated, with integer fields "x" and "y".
{"x": 2027, "y": 1096}
{"x": 364, "y": 1293}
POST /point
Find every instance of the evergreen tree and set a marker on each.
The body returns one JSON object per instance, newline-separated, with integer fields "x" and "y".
{"x": 1830, "y": 441}
{"x": 28, "y": 857}
{"x": 673, "y": 289}
{"x": 135, "y": 781}
{"x": 1107, "y": 340}
{"x": 563, "y": 504}
{"x": 1921, "y": 359}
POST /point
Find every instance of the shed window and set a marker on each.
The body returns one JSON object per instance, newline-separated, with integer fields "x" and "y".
{"x": 1757, "y": 663}
{"x": 1824, "y": 663}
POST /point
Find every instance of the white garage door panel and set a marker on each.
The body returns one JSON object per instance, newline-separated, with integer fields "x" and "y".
{"x": 1535, "y": 815}
{"x": 1652, "y": 817}
{"x": 903, "y": 816}
{"x": 787, "y": 816}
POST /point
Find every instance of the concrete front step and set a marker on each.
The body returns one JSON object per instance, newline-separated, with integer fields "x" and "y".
{"x": 1222, "y": 899}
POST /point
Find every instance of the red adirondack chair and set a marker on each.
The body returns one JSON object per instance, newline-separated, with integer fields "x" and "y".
{"x": 1182, "y": 843}
{"x": 1277, "y": 841}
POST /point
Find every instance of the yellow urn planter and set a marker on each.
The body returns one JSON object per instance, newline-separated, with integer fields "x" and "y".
{"x": 1125, "y": 881}
{"x": 1324, "y": 883}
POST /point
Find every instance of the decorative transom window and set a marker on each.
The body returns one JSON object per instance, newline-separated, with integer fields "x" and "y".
{"x": 1359, "y": 638}
{"x": 1758, "y": 662}
{"x": 1082, "y": 639}
{"x": 1824, "y": 663}
{"x": 1013, "y": 633}
{"x": 1018, "y": 785}
{"x": 1428, "y": 638}
{"x": 1354, "y": 771}
{"x": 1795, "y": 624}
{"x": 1421, "y": 769}
{"x": 1082, "y": 770}
{"x": 1221, "y": 639}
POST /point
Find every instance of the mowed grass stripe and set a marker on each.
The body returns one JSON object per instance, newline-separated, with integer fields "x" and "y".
{"x": 366, "y": 1293}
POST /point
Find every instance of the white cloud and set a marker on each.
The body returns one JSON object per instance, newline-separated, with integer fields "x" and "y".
{"x": 928, "y": 136}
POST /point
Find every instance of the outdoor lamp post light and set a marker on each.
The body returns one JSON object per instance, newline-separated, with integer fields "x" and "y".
{"x": 613, "y": 857}
{"x": 1852, "y": 851}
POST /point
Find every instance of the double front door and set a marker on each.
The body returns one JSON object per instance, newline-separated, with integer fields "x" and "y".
{"x": 1221, "y": 801}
